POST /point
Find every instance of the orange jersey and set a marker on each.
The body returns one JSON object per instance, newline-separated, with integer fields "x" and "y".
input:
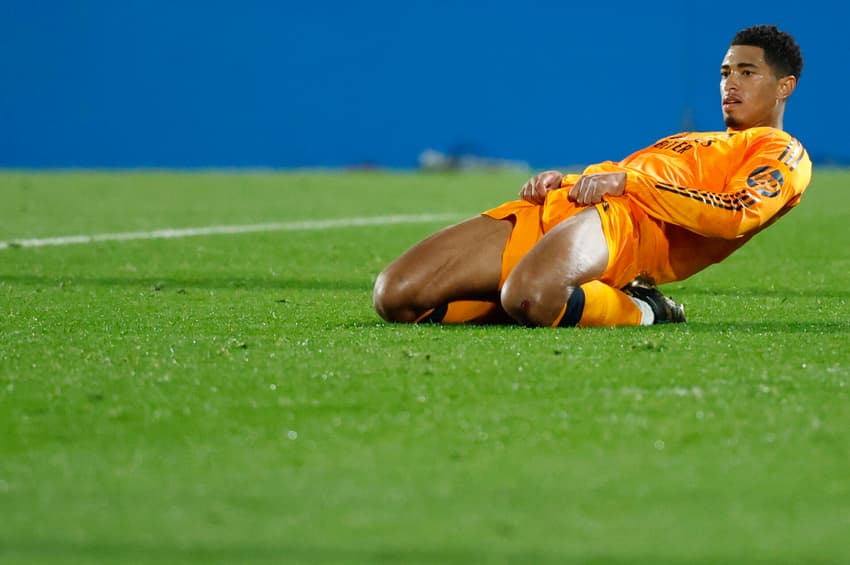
{"x": 713, "y": 191}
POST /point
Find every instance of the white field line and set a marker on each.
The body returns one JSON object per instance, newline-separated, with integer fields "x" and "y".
{"x": 173, "y": 233}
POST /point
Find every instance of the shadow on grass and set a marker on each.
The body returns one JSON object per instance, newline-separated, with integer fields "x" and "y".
{"x": 759, "y": 292}
{"x": 695, "y": 327}
{"x": 46, "y": 552}
{"x": 52, "y": 281}
{"x": 786, "y": 327}
{"x": 177, "y": 283}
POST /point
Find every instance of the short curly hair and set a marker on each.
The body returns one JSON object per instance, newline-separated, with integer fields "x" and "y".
{"x": 781, "y": 50}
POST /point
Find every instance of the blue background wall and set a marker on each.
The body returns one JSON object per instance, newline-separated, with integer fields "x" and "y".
{"x": 160, "y": 83}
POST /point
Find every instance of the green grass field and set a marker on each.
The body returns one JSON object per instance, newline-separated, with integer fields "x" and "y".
{"x": 234, "y": 398}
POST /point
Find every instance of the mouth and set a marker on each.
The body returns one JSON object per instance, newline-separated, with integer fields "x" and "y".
{"x": 730, "y": 102}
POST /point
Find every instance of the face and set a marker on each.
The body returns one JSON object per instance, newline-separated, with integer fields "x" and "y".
{"x": 751, "y": 95}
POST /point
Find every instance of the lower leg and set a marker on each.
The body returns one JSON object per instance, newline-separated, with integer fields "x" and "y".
{"x": 459, "y": 312}
{"x": 597, "y": 304}
{"x": 640, "y": 303}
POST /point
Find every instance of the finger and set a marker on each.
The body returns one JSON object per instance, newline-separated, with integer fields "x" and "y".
{"x": 573, "y": 194}
{"x": 590, "y": 196}
{"x": 582, "y": 191}
{"x": 529, "y": 192}
{"x": 539, "y": 194}
{"x": 540, "y": 188}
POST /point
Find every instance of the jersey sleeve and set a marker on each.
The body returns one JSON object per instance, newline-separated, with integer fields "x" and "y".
{"x": 773, "y": 174}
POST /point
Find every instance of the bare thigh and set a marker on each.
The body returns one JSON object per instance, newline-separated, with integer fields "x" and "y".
{"x": 460, "y": 262}
{"x": 572, "y": 253}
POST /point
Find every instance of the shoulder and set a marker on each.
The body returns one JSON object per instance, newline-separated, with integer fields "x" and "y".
{"x": 780, "y": 153}
{"x": 766, "y": 135}
{"x": 768, "y": 141}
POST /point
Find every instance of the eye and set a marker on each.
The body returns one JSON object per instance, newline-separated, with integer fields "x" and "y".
{"x": 747, "y": 73}
{"x": 724, "y": 73}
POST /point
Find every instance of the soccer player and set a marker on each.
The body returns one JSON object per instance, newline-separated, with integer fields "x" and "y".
{"x": 587, "y": 250}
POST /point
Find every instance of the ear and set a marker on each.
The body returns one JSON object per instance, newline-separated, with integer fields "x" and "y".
{"x": 785, "y": 87}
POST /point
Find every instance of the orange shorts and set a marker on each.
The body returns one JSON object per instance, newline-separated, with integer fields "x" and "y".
{"x": 636, "y": 243}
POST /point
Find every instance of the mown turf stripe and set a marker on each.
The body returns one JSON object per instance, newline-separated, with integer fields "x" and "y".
{"x": 173, "y": 233}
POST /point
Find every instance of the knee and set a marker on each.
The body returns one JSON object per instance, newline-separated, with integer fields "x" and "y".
{"x": 521, "y": 302}
{"x": 530, "y": 303}
{"x": 391, "y": 297}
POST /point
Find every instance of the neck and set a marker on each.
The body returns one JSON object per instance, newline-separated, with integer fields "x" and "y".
{"x": 772, "y": 122}
{"x": 775, "y": 120}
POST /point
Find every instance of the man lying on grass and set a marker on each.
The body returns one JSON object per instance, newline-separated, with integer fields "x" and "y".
{"x": 588, "y": 249}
